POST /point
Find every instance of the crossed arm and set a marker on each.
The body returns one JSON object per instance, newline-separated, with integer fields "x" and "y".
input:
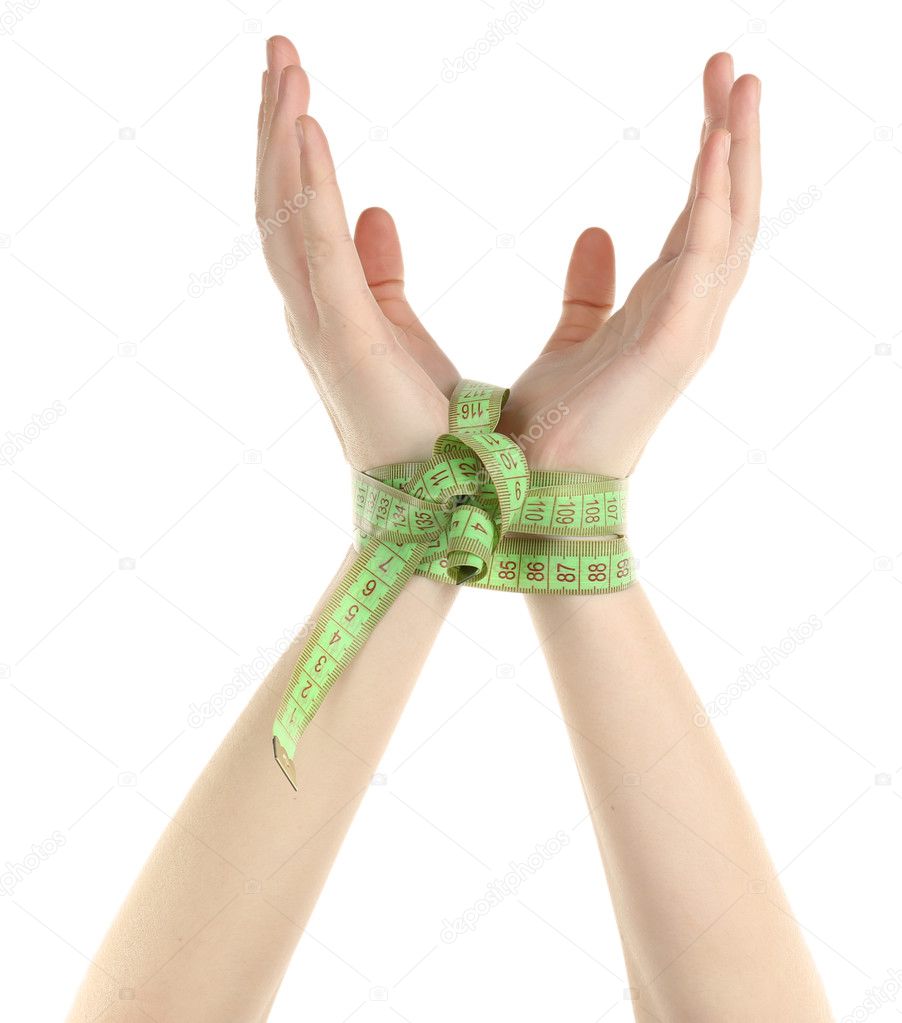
{"x": 706, "y": 931}
{"x": 209, "y": 927}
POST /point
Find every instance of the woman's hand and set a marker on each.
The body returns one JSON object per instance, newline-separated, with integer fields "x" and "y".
{"x": 600, "y": 387}
{"x": 381, "y": 376}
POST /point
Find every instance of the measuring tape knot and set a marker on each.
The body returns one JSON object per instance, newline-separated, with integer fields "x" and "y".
{"x": 474, "y": 514}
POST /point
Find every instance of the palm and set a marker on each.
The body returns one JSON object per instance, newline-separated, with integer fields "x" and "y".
{"x": 594, "y": 384}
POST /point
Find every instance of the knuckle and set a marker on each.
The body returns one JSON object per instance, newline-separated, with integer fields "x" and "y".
{"x": 700, "y": 249}
{"x": 388, "y": 289}
{"x": 321, "y": 247}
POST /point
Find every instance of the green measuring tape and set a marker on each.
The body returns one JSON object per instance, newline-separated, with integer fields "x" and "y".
{"x": 474, "y": 514}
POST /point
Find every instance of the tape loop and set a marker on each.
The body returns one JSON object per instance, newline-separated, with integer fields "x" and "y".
{"x": 473, "y": 514}
{"x": 471, "y": 539}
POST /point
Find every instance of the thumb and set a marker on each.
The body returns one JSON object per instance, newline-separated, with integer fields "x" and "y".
{"x": 379, "y": 248}
{"x": 589, "y": 290}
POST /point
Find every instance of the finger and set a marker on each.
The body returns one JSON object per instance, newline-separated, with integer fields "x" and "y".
{"x": 259, "y": 135}
{"x": 379, "y": 248}
{"x": 280, "y": 196}
{"x": 279, "y": 174}
{"x": 280, "y": 53}
{"x": 717, "y": 80}
{"x": 693, "y": 299}
{"x": 337, "y": 281}
{"x": 260, "y": 113}
{"x": 673, "y": 244}
{"x": 745, "y": 161}
{"x": 588, "y": 291}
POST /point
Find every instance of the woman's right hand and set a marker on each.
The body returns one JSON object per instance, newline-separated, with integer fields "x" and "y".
{"x": 603, "y": 383}
{"x": 383, "y": 379}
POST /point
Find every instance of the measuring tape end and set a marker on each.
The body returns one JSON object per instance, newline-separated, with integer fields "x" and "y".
{"x": 285, "y": 762}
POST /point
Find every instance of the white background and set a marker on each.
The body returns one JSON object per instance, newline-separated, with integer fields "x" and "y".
{"x": 770, "y": 494}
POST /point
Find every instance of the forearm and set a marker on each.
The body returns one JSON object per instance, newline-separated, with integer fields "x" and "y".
{"x": 211, "y": 922}
{"x": 705, "y": 926}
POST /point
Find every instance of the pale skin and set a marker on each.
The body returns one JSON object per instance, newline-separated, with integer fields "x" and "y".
{"x": 706, "y": 930}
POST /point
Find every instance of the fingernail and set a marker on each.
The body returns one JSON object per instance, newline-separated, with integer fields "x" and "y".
{"x": 299, "y": 131}
{"x": 270, "y": 45}
{"x": 727, "y": 141}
